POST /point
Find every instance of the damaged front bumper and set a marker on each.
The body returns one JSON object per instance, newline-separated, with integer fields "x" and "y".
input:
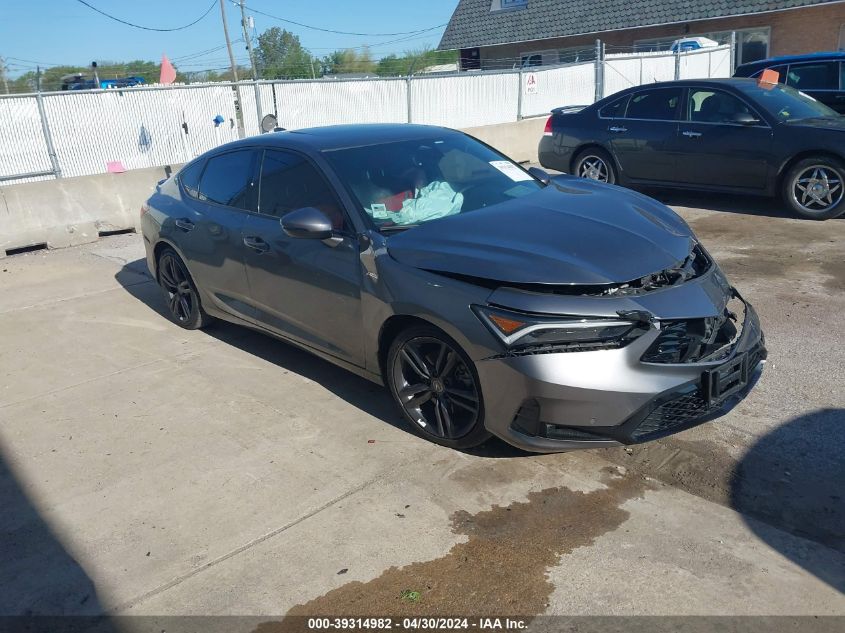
{"x": 563, "y": 401}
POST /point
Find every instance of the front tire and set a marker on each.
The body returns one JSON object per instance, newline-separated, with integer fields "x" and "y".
{"x": 595, "y": 164}
{"x": 435, "y": 385}
{"x": 814, "y": 188}
{"x": 183, "y": 301}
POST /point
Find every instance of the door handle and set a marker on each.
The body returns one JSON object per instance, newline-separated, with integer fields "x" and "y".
{"x": 185, "y": 224}
{"x": 616, "y": 129}
{"x": 690, "y": 134}
{"x": 256, "y": 244}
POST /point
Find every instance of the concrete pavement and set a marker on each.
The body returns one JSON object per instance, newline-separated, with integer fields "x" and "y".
{"x": 150, "y": 470}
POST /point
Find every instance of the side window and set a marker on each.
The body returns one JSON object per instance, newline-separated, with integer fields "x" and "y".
{"x": 189, "y": 176}
{"x": 658, "y": 104}
{"x": 228, "y": 179}
{"x": 842, "y": 70}
{"x": 614, "y": 109}
{"x": 709, "y": 106}
{"x": 290, "y": 182}
{"x": 821, "y": 76}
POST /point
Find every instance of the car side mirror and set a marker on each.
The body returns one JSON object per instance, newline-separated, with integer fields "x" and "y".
{"x": 744, "y": 118}
{"x": 540, "y": 174}
{"x": 308, "y": 223}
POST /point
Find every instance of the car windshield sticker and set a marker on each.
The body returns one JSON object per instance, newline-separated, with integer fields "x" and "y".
{"x": 510, "y": 170}
{"x": 379, "y": 211}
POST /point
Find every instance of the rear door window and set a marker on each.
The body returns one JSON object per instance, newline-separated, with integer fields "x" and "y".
{"x": 818, "y": 76}
{"x": 189, "y": 176}
{"x": 614, "y": 109}
{"x": 660, "y": 104}
{"x": 229, "y": 179}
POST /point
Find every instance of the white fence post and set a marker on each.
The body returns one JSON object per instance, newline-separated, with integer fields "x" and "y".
{"x": 519, "y": 96}
{"x": 409, "y": 98}
{"x": 48, "y": 138}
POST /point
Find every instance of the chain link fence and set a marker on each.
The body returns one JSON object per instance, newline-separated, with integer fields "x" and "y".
{"x": 66, "y": 134}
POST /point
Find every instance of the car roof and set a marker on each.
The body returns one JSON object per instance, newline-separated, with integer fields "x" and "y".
{"x": 333, "y": 137}
{"x": 788, "y": 59}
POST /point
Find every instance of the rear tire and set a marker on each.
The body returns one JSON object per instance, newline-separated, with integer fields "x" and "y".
{"x": 814, "y": 188}
{"x": 183, "y": 301}
{"x": 594, "y": 163}
{"x": 436, "y": 388}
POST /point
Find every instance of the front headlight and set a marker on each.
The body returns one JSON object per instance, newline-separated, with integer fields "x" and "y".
{"x": 525, "y": 333}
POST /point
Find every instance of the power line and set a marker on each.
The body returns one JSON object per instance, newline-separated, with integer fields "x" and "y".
{"x": 317, "y": 28}
{"x": 148, "y": 28}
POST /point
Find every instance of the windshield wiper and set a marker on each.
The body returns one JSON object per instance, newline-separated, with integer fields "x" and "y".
{"x": 396, "y": 227}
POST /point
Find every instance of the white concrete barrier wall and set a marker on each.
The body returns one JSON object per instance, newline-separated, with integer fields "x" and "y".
{"x": 72, "y": 211}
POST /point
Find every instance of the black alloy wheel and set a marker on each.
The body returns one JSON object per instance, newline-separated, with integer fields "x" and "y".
{"x": 183, "y": 303}
{"x": 436, "y": 387}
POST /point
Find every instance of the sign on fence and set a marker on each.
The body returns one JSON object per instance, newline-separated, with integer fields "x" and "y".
{"x": 531, "y": 86}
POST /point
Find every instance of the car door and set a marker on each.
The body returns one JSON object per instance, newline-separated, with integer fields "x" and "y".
{"x": 713, "y": 149}
{"x": 820, "y": 80}
{"x": 642, "y": 139}
{"x": 207, "y": 229}
{"x": 305, "y": 289}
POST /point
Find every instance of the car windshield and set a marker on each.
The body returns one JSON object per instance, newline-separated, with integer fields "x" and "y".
{"x": 787, "y": 104}
{"x": 405, "y": 183}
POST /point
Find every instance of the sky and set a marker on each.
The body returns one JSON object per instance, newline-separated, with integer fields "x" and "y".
{"x": 59, "y": 32}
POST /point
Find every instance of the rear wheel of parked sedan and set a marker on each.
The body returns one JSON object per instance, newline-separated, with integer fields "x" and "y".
{"x": 436, "y": 387}
{"x": 815, "y": 188}
{"x": 183, "y": 302}
{"x": 595, "y": 164}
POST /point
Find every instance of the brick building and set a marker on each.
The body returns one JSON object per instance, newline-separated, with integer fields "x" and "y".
{"x": 508, "y": 33}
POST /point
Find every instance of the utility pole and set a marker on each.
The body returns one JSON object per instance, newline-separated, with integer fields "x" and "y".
{"x": 3, "y": 74}
{"x": 248, "y": 40}
{"x": 38, "y": 79}
{"x": 239, "y": 111}
{"x": 228, "y": 42}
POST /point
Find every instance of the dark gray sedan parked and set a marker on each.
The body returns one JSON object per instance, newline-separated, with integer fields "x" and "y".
{"x": 490, "y": 300}
{"x": 731, "y": 135}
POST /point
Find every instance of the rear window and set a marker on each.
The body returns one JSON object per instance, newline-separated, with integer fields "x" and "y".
{"x": 189, "y": 176}
{"x": 660, "y": 104}
{"x": 228, "y": 179}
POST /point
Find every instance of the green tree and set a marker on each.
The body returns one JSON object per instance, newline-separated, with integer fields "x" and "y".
{"x": 414, "y": 61}
{"x": 348, "y": 61}
{"x": 280, "y": 55}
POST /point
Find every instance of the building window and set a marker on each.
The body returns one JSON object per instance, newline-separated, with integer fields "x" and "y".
{"x": 842, "y": 38}
{"x": 576, "y": 54}
{"x": 503, "y": 5}
{"x": 751, "y": 44}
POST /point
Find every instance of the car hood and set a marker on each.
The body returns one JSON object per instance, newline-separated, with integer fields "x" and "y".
{"x": 572, "y": 232}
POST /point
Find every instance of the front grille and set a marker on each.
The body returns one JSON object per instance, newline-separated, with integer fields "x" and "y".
{"x": 672, "y": 414}
{"x": 698, "y": 340}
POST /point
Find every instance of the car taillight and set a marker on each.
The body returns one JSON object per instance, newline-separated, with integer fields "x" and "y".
{"x": 547, "y": 131}
{"x": 144, "y": 209}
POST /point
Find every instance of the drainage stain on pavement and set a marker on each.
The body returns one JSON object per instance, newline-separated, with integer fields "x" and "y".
{"x": 500, "y": 569}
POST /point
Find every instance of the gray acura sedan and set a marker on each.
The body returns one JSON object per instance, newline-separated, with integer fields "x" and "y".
{"x": 553, "y": 313}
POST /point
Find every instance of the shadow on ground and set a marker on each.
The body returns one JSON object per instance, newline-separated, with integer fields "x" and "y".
{"x": 727, "y": 203}
{"x": 793, "y": 478}
{"x": 359, "y": 392}
{"x": 789, "y": 482}
{"x": 38, "y": 576}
